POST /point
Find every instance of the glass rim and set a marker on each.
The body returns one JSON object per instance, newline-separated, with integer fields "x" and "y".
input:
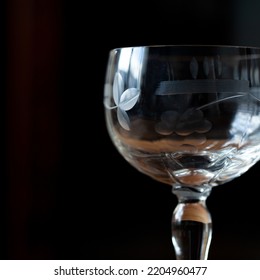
{"x": 162, "y": 46}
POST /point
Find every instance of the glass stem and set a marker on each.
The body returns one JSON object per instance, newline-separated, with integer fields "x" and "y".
{"x": 191, "y": 224}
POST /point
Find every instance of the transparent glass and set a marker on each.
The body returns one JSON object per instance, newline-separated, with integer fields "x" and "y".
{"x": 187, "y": 116}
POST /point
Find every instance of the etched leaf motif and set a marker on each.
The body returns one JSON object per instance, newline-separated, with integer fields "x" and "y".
{"x": 192, "y": 114}
{"x": 124, "y": 100}
{"x": 192, "y": 121}
{"x": 123, "y": 119}
{"x": 168, "y": 122}
{"x": 128, "y": 99}
{"x": 206, "y": 66}
{"x": 164, "y": 128}
{"x": 204, "y": 126}
{"x": 194, "y": 67}
{"x": 256, "y": 76}
{"x": 219, "y": 66}
{"x": 118, "y": 87}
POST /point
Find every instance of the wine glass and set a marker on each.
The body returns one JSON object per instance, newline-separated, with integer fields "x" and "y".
{"x": 187, "y": 116}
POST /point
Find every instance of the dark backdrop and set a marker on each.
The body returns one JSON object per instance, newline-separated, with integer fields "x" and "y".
{"x": 66, "y": 193}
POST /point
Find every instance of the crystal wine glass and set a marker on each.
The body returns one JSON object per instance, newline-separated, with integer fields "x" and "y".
{"x": 187, "y": 116}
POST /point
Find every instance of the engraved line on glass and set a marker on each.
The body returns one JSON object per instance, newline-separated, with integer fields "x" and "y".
{"x": 253, "y": 96}
{"x": 219, "y": 100}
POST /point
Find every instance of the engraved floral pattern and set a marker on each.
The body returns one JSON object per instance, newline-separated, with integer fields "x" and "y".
{"x": 125, "y": 99}
{"x": 191, "y": 121}
{"x": 190, "y": 125}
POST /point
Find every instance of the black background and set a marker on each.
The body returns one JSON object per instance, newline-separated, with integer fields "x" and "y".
{"x": 66, "y": 193}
